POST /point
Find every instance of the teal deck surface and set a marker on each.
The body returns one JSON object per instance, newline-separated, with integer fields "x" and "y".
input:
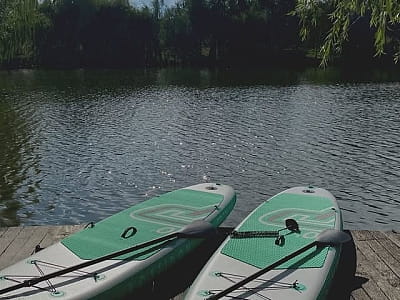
{"x": 153, "y": 218}
{"x": 313, "y": 214}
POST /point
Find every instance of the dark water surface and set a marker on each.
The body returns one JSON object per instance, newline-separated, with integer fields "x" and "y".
{"x": 78, "y": 146}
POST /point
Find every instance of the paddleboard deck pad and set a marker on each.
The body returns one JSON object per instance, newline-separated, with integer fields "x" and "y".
{"x": 261, "y": 240}
{"x": 119, "y": 276}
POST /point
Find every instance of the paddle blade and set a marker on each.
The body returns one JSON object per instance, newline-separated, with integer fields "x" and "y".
{"x": 197, "y": 229}
{"x": 332, "y": 237}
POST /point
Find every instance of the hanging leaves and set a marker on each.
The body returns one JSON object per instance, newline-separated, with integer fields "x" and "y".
{"x": 382, "y": 14}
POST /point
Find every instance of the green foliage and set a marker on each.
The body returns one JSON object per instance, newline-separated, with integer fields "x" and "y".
{"x": 69, "y": 33}
{"x": 384, "y": 16}
{"x": 19, "y": 22}
{"x": 112, "y": 33}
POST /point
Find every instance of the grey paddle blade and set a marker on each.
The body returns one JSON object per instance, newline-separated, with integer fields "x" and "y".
{"x": 197, "y": 229}
{"x": 332, "y": 237}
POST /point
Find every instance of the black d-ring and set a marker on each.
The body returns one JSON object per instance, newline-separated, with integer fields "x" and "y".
{"x": 280, "y": 240}
{"x": 89, "y": 225}
{"x": 128, "y": 232}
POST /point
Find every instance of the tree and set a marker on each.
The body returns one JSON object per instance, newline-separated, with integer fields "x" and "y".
{"x": 19, "y": 22}
{"x": 176, "y": 37}
{"x": 384, "y": 18}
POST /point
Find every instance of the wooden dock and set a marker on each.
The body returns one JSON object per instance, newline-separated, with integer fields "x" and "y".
{"x": 370, "y": 266}
{"x": 377, "y": 273}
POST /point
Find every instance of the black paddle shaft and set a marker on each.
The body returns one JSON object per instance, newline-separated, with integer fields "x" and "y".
{"x": 32, "y": 282}
{"x": 261, "y": 272}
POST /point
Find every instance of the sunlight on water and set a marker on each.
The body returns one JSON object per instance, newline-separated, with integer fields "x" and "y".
{"x": 78, "y": 146}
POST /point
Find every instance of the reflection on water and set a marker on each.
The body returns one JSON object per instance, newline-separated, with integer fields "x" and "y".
{"x": 77, "y": 146}
{"x": 18, "y": 163}
{"x": 10, "y": 166}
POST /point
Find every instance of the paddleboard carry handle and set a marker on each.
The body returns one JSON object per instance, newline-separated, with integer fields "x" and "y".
{"x": 89, "y": 225}
{"x": 128, "y": 232}
{"x": 292, "y": 226}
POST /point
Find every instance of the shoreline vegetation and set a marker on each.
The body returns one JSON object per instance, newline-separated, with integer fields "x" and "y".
{"x": 69, "y": 34}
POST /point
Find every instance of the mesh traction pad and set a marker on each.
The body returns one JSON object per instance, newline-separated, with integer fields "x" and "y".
{"x": 152, "y": 218}
{"x": 313, "y": 214}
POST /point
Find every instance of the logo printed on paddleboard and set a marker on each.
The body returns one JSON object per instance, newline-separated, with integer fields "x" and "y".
{"x": 311, "y": 222}
{"x": 172, "y": 215}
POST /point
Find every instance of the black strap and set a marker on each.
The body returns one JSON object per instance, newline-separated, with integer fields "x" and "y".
{"x": 253, "y": 234}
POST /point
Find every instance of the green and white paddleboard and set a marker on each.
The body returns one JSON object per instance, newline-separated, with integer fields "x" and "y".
{"x": 255, "y": 244}
{"x": 119, "y": 276}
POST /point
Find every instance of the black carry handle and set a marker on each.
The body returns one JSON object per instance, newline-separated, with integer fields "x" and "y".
{"x": 128, "y": 232}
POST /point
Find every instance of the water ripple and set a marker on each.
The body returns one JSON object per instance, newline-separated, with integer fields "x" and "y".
{"x": 76, "y": 155}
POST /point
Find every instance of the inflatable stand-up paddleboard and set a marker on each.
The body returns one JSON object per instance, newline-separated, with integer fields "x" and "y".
{"x": 277, "y": 252}
{"x": 112, "y": 258}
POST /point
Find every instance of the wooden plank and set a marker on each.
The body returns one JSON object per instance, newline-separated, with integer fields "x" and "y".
{"x": 51, "y": 236}
{"x": 380, "y": 272}
{"x": 2, "y": 230}
{"x": 360, "y": 294}
{"x": 378, "y": 235}
{"x": 392, "y": 248}
{"x": 35, "y": 236}
{"x": 19, "y": 242}
{"x": 15, "y": 246}
{"x": 392, "y": 263}
{"x": 364, "y": 270}
{"x": 394, "y": 237}
{"x": 67, "y": 230}
{"x": 57, "y": 233}
{"x": 362, "y": 235}
{"x": 389, "y": 245}
{"x": 8, "y": 237}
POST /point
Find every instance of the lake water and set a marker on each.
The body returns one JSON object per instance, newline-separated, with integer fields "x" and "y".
{"x": 78, "y": 146}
